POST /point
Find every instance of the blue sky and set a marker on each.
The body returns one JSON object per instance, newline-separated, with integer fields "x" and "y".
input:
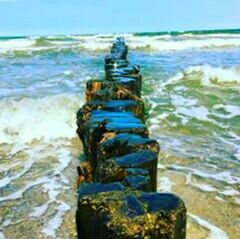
{"x": 40, "y": 17}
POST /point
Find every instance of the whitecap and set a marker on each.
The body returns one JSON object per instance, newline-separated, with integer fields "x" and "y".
{"x": 104, "y": 41}
{"x": 47, "y": 118}
{"x": 207, "y": 75}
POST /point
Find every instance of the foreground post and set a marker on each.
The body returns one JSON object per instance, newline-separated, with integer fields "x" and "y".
{"x": 117, "y": 196}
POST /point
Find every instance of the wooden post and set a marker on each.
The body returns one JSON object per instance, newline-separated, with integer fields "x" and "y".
{"x": 117, "y": 196}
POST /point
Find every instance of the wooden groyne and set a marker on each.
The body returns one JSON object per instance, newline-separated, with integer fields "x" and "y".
{"x": 117, "y": 196}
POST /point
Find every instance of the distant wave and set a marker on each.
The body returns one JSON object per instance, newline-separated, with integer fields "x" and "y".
{"x": 140, "y": 41}
{"x": 197, "y": 32}
{"x": 42, "y": 41}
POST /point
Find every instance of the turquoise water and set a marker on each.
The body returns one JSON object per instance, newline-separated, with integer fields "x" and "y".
{"x": 191, "y": 84}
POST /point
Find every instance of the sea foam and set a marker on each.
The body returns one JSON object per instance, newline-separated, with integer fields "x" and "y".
{"x": 46, "y": 118}
{"x": 207, "y": 75}
{"x": 135, "y": 42}
{"x": 215, "y": 232}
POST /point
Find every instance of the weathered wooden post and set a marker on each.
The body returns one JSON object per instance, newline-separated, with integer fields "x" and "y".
{"x": 117, "y": 196}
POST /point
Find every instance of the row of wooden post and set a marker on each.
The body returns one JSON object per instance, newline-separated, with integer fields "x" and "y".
{"x": 117, "y": 196}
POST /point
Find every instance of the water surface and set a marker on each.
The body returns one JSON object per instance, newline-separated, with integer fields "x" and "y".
{"x": 191, "y": 84}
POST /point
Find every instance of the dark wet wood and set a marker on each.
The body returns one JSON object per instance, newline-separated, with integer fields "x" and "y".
{"x": 117, "y": 196}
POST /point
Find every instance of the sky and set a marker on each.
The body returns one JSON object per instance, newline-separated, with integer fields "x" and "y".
{"x": 49, "y": 17}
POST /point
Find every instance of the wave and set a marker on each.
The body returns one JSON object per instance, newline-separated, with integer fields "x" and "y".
{"x": 173, "y": 44}
{"x": 198, "y": 32}
{"x": 208, "y": 75}
{"x": 199, "y": 107}
{"x": 48, "y": 118}
{"x": 102, "y": 42}
{"x": 42, "y": 41}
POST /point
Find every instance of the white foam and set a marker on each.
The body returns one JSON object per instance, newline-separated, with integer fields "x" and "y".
{"x": 215, "y": 75}
{"x": 233, "y": 110}
{"x": 8, "y": 179}
{"x": 39, "y": 211}
{"x": 153, "y": 127}
{"x": 224, "y": 176}
{"x": 55, "y": 222}
{"x": 188, "y": 108}
{"x": 15, "y": 44}
{"x": 18, "y": 194}
{"x": 47, "y": 118}
{"x": 165, "y": 184}
{"x": 2, "y": 235}
{"x": 200, "y": 112}
{"x": 202, "y": 187}
{"x": 237, "y": 201}
{"x": 154, "y": 121}
{"x": 237, "y": 154}
{"x": 215, "y": 232}
{"x": 53, "y": 182}
{"x": 179, "y": 100}
{"x": 161, "y": 166}
{"x": 68, "y": 73}
{"x": 104, "y": 41}
{"x": 53, "y": 187}
{"x": 229, "y": 191}
{"x": 207, "y": 75}
{"x": 193, "y": 42}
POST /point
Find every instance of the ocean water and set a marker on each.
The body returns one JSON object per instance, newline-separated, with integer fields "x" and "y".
{"x": 191, "y": 89}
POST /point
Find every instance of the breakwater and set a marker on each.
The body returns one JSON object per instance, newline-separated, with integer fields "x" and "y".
{"x": 117, "y": 195}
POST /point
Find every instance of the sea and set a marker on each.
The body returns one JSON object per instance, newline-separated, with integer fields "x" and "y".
{"x": 191, "y": 90}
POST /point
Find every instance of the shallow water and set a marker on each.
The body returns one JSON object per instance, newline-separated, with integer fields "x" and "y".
{"x": 191, "y": 89}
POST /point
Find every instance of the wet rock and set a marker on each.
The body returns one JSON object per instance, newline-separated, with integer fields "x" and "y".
{"x": 138, "y": 182}
{"x": 111, "y": 211}
{"x": 112, "y": 59}
{"x": 120, "y": 49}
{"x": 132, "y": 84}
{"x": 85, "y": 172}
{"x": 95, "y": 127}
{"x": 132, "y": 72}
{"x": 116, "y": 169}
{"x": 113, "y": 92}
{"x": 172, "y": 208}
{"x": 119, "y": 52}
{"x": 137, "y": 172}
{"x": 123, "y": 144}
{"x": 87, "y": 189}
{"x": 112, "y": 63}
{"x": 134, "y": 106}
{"x": 125, "y": 85}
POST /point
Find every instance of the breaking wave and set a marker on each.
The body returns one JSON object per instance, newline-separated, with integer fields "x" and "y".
{"x": 102, "y": 42}
{"x": 48, "y": 118}
{"x": 209, "y": 75}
